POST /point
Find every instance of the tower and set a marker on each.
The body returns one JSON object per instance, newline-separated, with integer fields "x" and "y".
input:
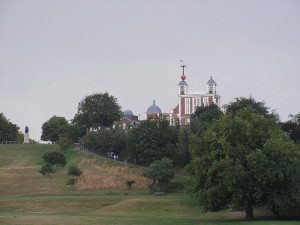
{"x": 211, "y": 86}
{"x": 183, "y": 86}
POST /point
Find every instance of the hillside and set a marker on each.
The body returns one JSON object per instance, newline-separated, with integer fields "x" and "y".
{"x": 26, "y": 197}
{"x": 19, "y": 166}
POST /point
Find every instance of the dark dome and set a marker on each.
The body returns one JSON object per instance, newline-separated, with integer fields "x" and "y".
{"x": 127, "y": 113}
{"x": 153, "y": 108}
{"x": 211, "y": 81}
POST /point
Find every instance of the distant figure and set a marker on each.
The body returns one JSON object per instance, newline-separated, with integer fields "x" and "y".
{"x": 26, "y": 136}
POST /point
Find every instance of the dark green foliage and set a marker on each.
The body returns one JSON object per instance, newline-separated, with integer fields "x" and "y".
{"x": 104, "y": 141}
{"x": 8, "y": 130}
{"x": 182, "y": 155}
{"x": 160, "y": 172}
{"x": 259, "y": 107}
{"x": 246, "y": 161}
{"x": 46, "y": 169}
{"x": 74, "y": 171}
{"x": 97, "y": 110}
{"x": 203, "y": 116}
{"x": 293, "y": 129}
{"x": 54, "y": 128}
{"x": 129, "y": 183}
{"x": 152, "y": 140}
{"x": 55, "y": 159}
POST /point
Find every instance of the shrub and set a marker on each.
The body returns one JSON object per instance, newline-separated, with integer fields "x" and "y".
{"x": 46, "y": 169}
{"x": 71, "y": 182}
{"x": 129, "y": 183}
{"x": 74, "y": 171}
{"x": 64, "y": 142}
{"x": 160, "y": 172}
{"x": 55, "y": 159}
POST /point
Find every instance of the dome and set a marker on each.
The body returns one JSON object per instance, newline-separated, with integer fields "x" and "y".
{"x": 182, "y": 83}
{"x": 211, "y": 81}
{"x": 127, "y": 113}
{"x": 153, "y": 108}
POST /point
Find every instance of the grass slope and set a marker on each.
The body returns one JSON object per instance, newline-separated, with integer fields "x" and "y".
{"x": 26, "y": 197}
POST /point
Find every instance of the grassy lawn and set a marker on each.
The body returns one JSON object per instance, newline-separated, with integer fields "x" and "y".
{"x": 28, "y": 198}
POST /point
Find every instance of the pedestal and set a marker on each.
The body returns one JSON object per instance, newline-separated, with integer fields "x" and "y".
{"x": 26, "y": 138}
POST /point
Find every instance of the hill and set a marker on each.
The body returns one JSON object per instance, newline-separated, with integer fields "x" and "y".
{"x": 26, "y": 197}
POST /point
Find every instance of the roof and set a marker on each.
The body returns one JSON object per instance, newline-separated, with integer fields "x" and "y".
{"x": 153, "y": 108}
{"x": 211, "y": 81}
{"x": 127, "y": 113}
{"x": 182, "y": 83}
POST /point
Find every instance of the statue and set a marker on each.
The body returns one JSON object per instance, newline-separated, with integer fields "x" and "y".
{"x": 26, "y": 136}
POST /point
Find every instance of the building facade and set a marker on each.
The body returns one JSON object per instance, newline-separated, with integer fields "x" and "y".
{"x": 188, "y": 101}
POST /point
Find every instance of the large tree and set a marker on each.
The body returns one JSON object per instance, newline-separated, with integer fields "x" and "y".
{"x": 55, "y": 128}
{"x": 8, "y": 130}
{"x": 244, "y": 161}
{"x": 152, "y": 140}
{"x": 240, "y": 103}
{"x": 98, "y": 110}
{"x": 203, "y": 116}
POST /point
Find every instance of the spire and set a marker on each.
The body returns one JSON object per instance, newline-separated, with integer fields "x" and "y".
{"x": 183, "y": 77}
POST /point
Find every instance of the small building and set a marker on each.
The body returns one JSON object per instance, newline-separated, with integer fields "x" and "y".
{"x": 188, "y": 101}
{"x": 128, "y": 121}
{"x": 154, "y": 112}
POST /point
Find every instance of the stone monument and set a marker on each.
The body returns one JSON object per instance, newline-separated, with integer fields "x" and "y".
{"x": 26, "y": 136}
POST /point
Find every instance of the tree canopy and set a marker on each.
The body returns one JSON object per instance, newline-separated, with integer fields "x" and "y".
{"x": 233, "y": 107}
{"x": 203, "y": 116}
{"x": 8, "y": 130}
{"x": 152, "y": 140}
{"x": 244, "y": 161}
{"x": 98, "y": 110}
{"x": 55, "y": 128}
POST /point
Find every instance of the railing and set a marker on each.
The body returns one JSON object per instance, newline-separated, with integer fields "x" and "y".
{"x": 9, "y": 142}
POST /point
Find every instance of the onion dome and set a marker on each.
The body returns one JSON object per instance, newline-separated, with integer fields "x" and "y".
{"x": 153, "y": 108}
{"x": 211, "y": 81}
{"x": 127, "y": 113}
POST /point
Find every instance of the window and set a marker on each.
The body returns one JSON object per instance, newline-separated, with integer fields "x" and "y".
{"x": 187, "y": 106}
{"x": 205, "y": 101}
{"x": 194, "y": 104}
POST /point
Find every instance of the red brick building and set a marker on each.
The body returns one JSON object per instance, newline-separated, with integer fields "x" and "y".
{"x": 188, "y": 101}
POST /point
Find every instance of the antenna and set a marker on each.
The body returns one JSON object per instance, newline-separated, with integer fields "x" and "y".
{"x": 183, "y": 66}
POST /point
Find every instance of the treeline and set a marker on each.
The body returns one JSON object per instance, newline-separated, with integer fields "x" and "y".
{"x": 241, "y": 158}
{"x": 9, "y": 131}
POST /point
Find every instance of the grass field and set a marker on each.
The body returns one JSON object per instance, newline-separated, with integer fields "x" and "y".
{"x": 26, "y": 197}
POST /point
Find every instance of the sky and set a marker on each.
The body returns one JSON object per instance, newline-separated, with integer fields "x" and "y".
{"x": 53, "y": 53}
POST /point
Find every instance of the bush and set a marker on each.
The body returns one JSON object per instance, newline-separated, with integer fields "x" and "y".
{"x": 71, "y": 182}
{"x": 160, "y": 172}
{"x": 74, "y": 171}
{"x": 55, "y": 159}
{"x": 46, "y": 169}
{"x": 64, "y": 142}
{"x": 129, "y": 183}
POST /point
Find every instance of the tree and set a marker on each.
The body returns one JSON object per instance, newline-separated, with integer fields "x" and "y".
{"x": 203, "y": 116}
{"x": 55, "y": 159}
{"x": 182, "y": 155}
{"x": 233, "y": 107}
{"x": 98, "y": 110}
{"x": 160, "y": 172}
{"x": 103, "y": 141}
{"x": 8, "y": 130}
{"x": 244, "y": 161}
{"x": 152, "y": 140}
{"x": 295, "y": 118}
{"x": 293, "y": 129}
{"x": 54, "y": 128}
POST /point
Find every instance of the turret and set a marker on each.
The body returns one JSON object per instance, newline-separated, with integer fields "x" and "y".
{"x": 211, "y": 86}
{"x": 183, "y": 86}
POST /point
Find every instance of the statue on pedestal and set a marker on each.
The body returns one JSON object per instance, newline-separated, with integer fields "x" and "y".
{"x": 26, "y": 136}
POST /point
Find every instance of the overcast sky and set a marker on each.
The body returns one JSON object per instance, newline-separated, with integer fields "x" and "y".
{"x": 55, "y": 52}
